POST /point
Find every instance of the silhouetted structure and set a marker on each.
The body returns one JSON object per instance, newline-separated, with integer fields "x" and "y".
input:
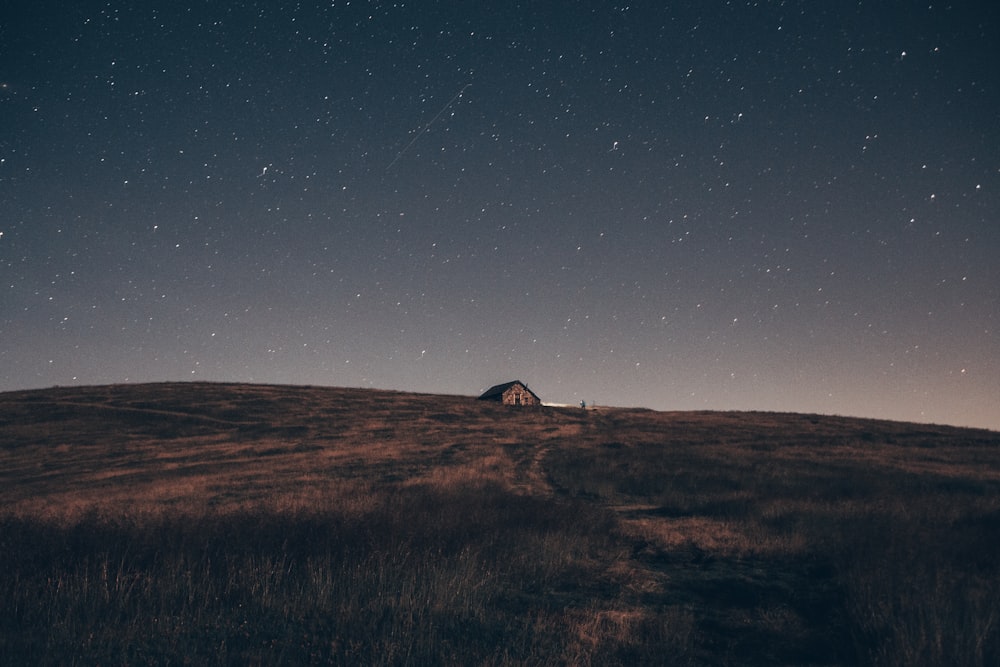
{"x": 511, "y": 393}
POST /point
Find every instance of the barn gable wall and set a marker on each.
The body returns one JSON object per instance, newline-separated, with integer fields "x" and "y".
{"x": 519, "y": 395}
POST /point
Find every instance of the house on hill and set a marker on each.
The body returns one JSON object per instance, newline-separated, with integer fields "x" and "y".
{"x": 511, "y": 393}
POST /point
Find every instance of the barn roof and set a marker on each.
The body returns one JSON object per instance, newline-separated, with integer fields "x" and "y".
{"x": 498, "y": 390}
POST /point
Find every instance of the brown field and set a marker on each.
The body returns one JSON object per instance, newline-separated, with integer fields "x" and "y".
{"x": 247, "y": 524}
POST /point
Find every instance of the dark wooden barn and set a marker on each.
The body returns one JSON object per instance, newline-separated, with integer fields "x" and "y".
{"x": 511, "y": 393}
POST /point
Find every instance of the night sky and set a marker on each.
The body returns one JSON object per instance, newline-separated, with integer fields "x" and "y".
{"x": 788, "y": 206}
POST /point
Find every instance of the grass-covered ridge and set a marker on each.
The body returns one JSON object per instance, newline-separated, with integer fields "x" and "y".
{"x": 244, "y": 524}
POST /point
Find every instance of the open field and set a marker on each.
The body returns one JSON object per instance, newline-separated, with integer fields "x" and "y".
{"x": 247, "y": 524}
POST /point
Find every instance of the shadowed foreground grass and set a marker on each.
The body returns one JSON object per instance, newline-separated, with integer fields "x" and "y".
{"x": 471, "y": 575}
{"x": 239, "y": 524}
{"x": 847, "y": 560}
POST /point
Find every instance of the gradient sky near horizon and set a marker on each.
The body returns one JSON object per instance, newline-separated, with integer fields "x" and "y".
{"x": 784, "y": 206}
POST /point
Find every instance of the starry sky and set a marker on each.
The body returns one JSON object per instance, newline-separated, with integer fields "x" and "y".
{"x": 788, "y": 206}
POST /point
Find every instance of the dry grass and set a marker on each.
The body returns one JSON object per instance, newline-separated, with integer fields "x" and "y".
{"x": 219, "y": 524}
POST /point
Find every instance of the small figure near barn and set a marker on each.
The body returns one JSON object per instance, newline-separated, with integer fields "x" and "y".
{"x": 511, "y": 393}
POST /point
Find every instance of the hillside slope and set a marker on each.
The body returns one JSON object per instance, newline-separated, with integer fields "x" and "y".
{"x": 220, "y": 444}
{"x": 506, "y": 536}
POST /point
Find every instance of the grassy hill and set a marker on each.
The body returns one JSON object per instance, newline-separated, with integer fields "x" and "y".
{"x": 250, "y": 524}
